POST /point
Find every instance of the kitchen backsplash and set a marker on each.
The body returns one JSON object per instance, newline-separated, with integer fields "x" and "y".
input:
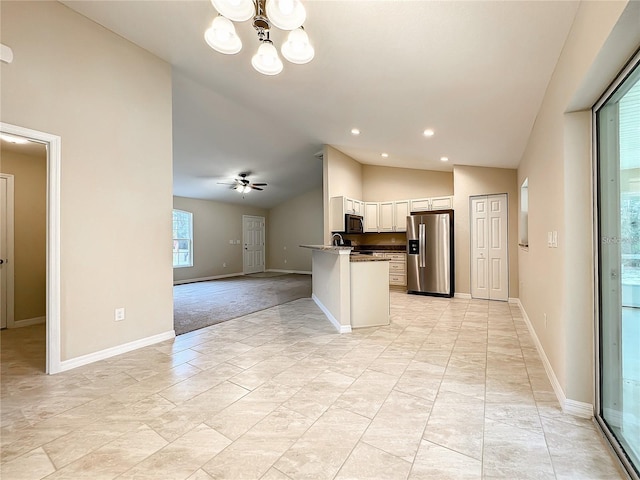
{"x": 398, "y": 238}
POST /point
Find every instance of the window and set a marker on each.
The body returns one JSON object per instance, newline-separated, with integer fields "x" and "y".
{"x": 618, "y": 148}
{"x": 524, "y": 213}
{"x": 182, "y": 239}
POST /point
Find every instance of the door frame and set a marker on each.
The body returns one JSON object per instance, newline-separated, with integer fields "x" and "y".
{"x": 53, "y": 144}
{"x": 10, "y": 277}
{"x": 244, "y": 242}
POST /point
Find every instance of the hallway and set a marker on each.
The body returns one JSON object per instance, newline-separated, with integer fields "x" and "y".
{"x": 452, "y": 389}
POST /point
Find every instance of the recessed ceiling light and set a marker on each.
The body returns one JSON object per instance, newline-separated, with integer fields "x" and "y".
{"x": 384, "y": 155}
{"x": 444, "y": 159}
{"x": 12, "y": 139}
{"x": 355, "y": 131}
{"x": 428, "y": 133}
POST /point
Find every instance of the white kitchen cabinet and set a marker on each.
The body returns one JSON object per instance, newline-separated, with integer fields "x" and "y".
{"x": 420, "y": 204}
{"x": 400, "y": 212}
{"x": 371, "y": 210}
{"x": 432, "y": 203}
{"x": 386, "y": 218}
{"x": 442, "y": 203}
{"x": 397, "y": 268}
{"x": 339, "y": 207}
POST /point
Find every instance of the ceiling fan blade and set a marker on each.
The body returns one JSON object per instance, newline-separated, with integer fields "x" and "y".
{"x": 225, "y": 183}
{"x": 256, "y": 188}
{"x": 259, "y": 184}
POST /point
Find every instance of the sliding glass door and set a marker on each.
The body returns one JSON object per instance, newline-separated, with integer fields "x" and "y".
{"x": 618, "y": 152}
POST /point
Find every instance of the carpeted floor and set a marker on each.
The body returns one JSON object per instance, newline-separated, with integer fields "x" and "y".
{"x": 198, "y": 305}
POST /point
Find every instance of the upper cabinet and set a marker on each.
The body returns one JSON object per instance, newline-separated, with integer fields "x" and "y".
{"x": 433, "y": 203}
{"x": 400, "y": 213}
{"x": 371, "y": 214}
{"x": 339, "y": 207}
{"x": 383, "y": 216}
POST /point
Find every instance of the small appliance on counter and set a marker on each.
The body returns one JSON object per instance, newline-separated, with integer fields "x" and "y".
{"x": 430, "y": 262}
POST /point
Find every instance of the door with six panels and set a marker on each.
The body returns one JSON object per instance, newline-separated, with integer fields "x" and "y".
{"x": 489, "y": 256}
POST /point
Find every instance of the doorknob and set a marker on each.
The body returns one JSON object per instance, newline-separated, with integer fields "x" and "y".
{"x": 1, "y": 261}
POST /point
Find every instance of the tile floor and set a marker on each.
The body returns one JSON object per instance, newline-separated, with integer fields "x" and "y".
{"x": 452, "y": 389}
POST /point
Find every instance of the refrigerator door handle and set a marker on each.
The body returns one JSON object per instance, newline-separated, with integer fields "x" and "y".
{"x": 422, "y": 241}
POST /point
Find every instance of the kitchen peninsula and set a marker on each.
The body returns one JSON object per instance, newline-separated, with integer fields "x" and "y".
{"x": 351, "y": 289}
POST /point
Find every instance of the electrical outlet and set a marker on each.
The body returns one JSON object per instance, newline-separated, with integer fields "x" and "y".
{"x": 119, "y": 314}
{"x": 285, "y": 260}
{"x": 224, "y": 265}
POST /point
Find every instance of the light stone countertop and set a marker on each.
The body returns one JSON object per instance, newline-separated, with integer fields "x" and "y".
{"x": 328, "y": 248}
{"x": 367, "y": 258}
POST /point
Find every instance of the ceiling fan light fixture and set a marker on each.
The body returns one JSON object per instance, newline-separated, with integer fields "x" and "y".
{"x": 297, "y": 48}
{"x": 285, "y": 14}
{"x": 266, "y": 59}
{"x": 222, "y": 37}
{"x": 236, "y": 10}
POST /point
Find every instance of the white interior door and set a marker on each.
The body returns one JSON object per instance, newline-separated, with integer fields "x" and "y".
{"x": 253, "y": 233}
{"x": 6, "y": 250}
{"x": 489, "y": 248}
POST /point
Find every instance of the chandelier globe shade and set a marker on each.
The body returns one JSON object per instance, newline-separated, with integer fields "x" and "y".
{"x": 236, "y": 10}
{"x": 266, "y": 60}
{"x": 285, "y": 14}
{"x": 297, "y": 48}
{"x": 222, "y": 36}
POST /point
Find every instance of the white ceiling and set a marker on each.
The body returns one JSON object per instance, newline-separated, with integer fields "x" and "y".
{"x": 474, "y": 71}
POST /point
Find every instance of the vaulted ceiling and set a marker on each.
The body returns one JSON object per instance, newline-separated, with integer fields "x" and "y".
{"x": 473, "y": 71}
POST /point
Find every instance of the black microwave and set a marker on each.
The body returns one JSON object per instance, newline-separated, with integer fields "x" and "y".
{"x": 353, "y": 223}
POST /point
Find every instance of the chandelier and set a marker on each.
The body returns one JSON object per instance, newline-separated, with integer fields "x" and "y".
{"x": 284, "y": 14}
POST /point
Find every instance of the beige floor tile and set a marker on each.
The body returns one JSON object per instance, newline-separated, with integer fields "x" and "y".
{"x": 454, "y": 386}
{"x": 323, "y": 448}
{"x": 274, "y": 474}
{"x": 399, "y": 424}
{"x": 507, "y": 449}
{"x": 367, "y": 462}
{"x": 366, "y": 395}
{"x": 181, "y": 458}
{"x": 434, "y": 462}
{"x": 457, "y": 422}
{"x": 113, "y": 459}
{"x": 200, "y": 475}
{"x": 79, "y": 443}
{"x": 31, "y": 466}
{"x": 253, "y": 454}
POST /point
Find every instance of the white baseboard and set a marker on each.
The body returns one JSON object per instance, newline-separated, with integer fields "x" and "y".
{"x": 463, "y": 296}
{"x": 204, "y": 279}
{"x": 332, "y": 319}
{"x": 578, "y": 409}
{"x": 113, "y": 351}
{"x": 514, "y": 301}
{"x": 572, "y": 407}
{"x": 277, "y": 270}
{"x": 28, "y": 322}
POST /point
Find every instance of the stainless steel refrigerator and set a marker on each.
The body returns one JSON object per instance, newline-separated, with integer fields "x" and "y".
{"x": 430, "y": 266}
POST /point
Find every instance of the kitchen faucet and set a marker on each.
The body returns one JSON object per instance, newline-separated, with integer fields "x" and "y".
{"x": 333, "y": 241}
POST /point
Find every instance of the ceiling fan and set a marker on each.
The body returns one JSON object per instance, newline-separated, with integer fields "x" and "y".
{"x": 243, "y": 185}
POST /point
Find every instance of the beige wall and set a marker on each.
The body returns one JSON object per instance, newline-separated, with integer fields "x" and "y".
{"x": 384, "y": 184}
{"x": 341, "y": 176}
{"x": 214, "y": 224}
{"x": 110, "y": 102}
{"x": 470, "y": 181}
{"x": 295, "y": 222}
{"x": 557, "y": 161}
{"x": 30, "y": 226}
